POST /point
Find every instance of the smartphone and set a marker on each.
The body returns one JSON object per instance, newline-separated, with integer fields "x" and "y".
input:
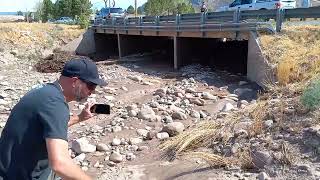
{"x": 100, "y": 109}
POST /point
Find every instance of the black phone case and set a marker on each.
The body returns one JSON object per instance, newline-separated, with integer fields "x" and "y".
{"x": 100, "y": 109}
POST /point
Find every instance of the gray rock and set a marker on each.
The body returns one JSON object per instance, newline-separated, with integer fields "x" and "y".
{"x": 130, "y": 156}
{"x": 263, "y": 176}
{"x": 136, "y": 78}
{"x": 142, "y": 132}
{"x": 80, "y": 157}
{"x": 116, "y": 142}
{"x": 167, "y": 119}
{"x": 227, "y": 107}
{"x": 111, "y": 163}
{"x": 109, "y": 98}
{"x": 190, "y": 90}
{"x": 124, "y": 88}
{"x": 146, "y": 113}
{"x": 147, "y": 83}
{"x": 102, "y": 147}
{"x": 268, "y": 124}
{"x": 173, "y": 128}
{"x": 208, "y": 96}
{"x": 179, "y": 115}
{"x": 151, "y": 135}
{"x": 160, "y": 91}
{"x": 132, "y": 113}
{"x": 116, "y": 129}
{"x": 82, "y": 146}
{"x": 132, "y": 107}
{"x": 195, "y": 114}
{"x": 162, "y": 135}
{"x": 47, "y": 54}
{"x": 116, "y": 157}
{"x": 133, "y": 141}
{"x": 203, "y": 114}
{"x": 261, "y": 159}
{"x": 199, "y": 102}
{"x": 133, "y": 147}
{"x": 143, "y": 148}
{"x": 154, "y": 104}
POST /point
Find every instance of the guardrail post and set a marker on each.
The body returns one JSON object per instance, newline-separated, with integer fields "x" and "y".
{"x": 236, "y": 15}
{"x": 178, "y": 19}
{"x": 279, "y": 19}
{"x": 203, "y": 22}
{"x": 140, "y": 21}
{"x": 236, "y": 19}
{"x": 125, "y": 22}
{"x": 157, "y": 23}
{"x": 113, "y": 23}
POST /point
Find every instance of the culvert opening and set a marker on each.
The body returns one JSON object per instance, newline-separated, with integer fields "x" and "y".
{"x": 106, "y": 47}
{"x": 158, "y": 49}
{"x": 216, "y": 53}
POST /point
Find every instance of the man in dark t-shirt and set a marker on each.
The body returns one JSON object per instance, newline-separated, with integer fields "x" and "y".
{"x": 33, "y": 144}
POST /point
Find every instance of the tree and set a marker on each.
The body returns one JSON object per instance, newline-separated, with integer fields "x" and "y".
{"x": 140, "y": 10}
{"x": 19, "y": 13}
{"x": 47, "y": 10}
{"x": 167, "y": 7}
{"x": 38, "y": 11}
{"x": 185, "y": 8}
{"x": 130, "y": 9}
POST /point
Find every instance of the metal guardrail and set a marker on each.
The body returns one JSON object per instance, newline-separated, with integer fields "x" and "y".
{"x": 211, "y": 21}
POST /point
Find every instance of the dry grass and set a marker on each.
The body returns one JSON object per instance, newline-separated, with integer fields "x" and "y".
{"x": 41, "y": 34}
{"x": 287, "y": 155}
{"x": 296, "y": 51}
{"x": 201, "y": 136}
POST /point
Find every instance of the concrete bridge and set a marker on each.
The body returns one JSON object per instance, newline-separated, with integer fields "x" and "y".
{"x": 230, "y": 44}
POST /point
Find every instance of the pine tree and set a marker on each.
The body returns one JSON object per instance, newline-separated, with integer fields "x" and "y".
{"x": 46, "y": 10}
{"x": 130, "y": 10}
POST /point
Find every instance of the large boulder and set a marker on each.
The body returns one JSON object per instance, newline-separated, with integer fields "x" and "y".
{"x": 146, "y": 113}
{"x": 173, "y": 128}
{"x": 82, "y": 145}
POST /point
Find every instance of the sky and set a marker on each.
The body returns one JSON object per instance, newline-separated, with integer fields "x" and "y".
{"x": 29, "y": 5}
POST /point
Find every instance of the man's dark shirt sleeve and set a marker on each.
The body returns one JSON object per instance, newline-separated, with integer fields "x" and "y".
{"x": 54, "y": 117}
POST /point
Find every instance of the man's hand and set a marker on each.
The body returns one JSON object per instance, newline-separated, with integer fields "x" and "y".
{"x": 83, "y": 116}
{"x": 85, "y": 113}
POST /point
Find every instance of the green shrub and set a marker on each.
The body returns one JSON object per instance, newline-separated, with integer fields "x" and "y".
{"x": 311, "y": 95}
{"x": 84, "y": 21}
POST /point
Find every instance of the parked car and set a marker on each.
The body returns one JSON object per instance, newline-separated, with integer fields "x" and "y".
{"x": 65, "y": 20}
{"x": 105, "y": 13}
{"x": 259, "y": 4}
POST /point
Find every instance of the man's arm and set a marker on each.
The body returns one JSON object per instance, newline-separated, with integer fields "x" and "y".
{"x": 74, "y": 119}
{"x": 60, "y": 161}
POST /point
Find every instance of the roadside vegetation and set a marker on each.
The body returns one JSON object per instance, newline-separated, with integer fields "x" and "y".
{"x": 78, "y": 10}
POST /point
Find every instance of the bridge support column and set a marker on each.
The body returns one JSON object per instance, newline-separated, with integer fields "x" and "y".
{"x": 177, "y": 52}
{"x": 119, "y": 46}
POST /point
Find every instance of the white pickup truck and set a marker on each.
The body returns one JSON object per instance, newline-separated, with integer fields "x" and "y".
{"x": 259, "y": 4}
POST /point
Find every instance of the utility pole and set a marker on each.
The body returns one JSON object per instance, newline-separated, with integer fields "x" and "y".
{"x": 135, "y": 8}
{"x": 109, "y": 8}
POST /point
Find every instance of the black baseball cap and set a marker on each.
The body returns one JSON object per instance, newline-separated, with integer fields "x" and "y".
{"x": 84, "y": 69}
